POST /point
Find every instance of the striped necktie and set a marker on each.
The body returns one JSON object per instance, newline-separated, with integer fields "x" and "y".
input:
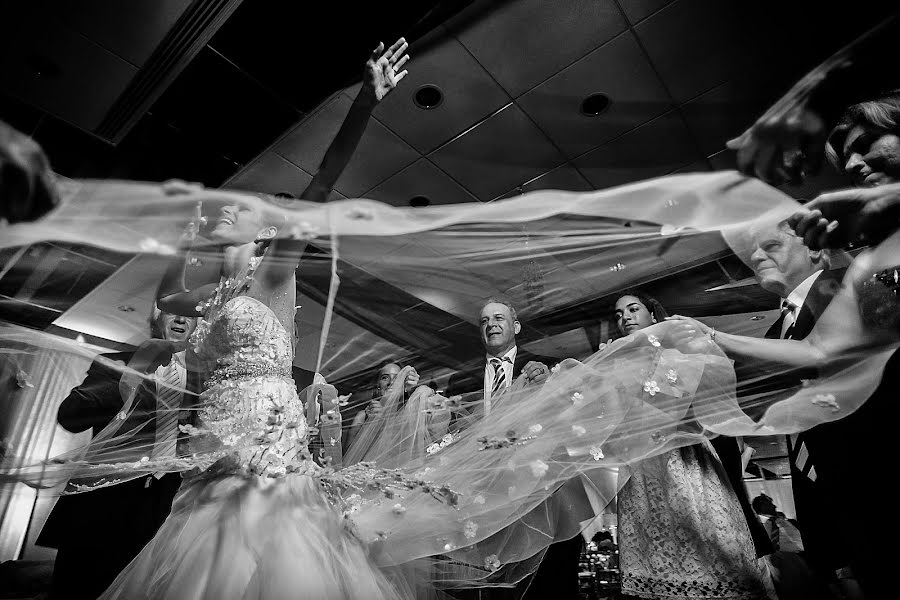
{"x": 499, "y": 376}
{"x": 168, "y": 402}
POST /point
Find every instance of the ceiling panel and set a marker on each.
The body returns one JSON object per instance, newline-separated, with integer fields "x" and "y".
{"x": 307, "y": 142}
{"x": 499, "y": 154}
{"x": 130, "y": 29}
{"x": 469, "y": 92}
{"x": 618, "y": 69}
{"x": 726, "y": 111}
{"x": 42, "y": 62}
{"x": 654, "y": 149}
{"x": 379, "y": 155}
{"x": 636, "y": 10}
{"x": 522, "y": 43}
{"x": 696, "y": 45}
{"x": 225, "y": 107}
{"x": 421, "y": 178}
{"x": 565, "y": 177}
{"x": 271, "y": 174}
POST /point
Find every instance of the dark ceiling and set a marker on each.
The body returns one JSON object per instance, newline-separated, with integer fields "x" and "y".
{"x": 264, "y": 69}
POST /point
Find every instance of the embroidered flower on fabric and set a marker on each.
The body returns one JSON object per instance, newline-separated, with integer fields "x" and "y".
{"x": 432, "y": 448}
{"x": 596, "y": 452}
{"x": 555, "y": 368}
{"x": 479, "y": 499}
{"x": 449, "y": 547}
{"x": 671, "y": 376}
{"x": 145, "y": 459}
{"x": 332, "y": 441}
{"x": 448, "y": 437}
{"x": 344, "y": 400}
{"x": 471, "y": 529}
{"x": 826, "y": 401}
{"x": 399, "y": 509}
{"x": 651, "y": 387}
{"x": 187, "y": 429}
{"x": 577, "y": 397}
{"x": 492, "y": 562}
{"x": 534, "y": 429}
{"x": 538, "y": 468}
{"x": 22, "y": 379}
{"x": 122, "y": 415}
{"x": 578, "y": 430}
{"x": 254, "y": 262}
{"x": 654, "y": 341}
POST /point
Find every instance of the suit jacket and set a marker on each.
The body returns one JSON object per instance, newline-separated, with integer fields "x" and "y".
{"x": 472, "y": 380}
{"x": 470, "y": 385}
{"x": 756, "y": 388}
{"x": 92, "y": 405}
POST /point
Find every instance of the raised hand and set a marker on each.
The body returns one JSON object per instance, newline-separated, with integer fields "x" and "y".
{"x": 782, "y": 147}
{"x": 536, "y": 372}
{"x": 852, "y": 216}
{"x": 412, "y": 380}
{"x": 27, "y": 185}
{"x": 383, "y": 72}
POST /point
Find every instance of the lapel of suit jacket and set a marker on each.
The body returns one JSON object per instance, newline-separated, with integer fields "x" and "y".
{"x": 817, "y": 300}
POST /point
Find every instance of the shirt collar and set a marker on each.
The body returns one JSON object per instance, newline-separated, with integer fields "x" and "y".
{"x": 798, "y": 296}
{"x": 510, "y": 354}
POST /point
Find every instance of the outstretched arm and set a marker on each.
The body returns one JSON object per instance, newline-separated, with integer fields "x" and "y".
{"x": 382, "y": 74}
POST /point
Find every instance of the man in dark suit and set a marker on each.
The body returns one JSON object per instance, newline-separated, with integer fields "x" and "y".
{"x": 806, "y": 284}
{"x": 557, "y": 575}
{"x": 97, "y": 533}
{"x": 504, "y": 361}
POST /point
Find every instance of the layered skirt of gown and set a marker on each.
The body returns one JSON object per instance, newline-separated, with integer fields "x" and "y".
{"x": 252, "y": 537}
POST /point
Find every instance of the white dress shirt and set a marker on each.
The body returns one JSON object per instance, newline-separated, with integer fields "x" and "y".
{"x": 507, "y": 366}
{"x": 796, "y": 299}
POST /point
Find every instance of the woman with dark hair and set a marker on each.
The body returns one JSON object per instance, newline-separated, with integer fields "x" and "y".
{"x": 682, "y": 532}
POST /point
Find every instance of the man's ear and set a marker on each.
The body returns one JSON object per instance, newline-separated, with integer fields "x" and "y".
{"x": 517, "y": 328}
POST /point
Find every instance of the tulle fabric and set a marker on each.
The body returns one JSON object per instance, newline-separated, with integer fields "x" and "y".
{"x": 482, "y": 507}
{"x": 405, "y": 430}
{"x": 249, "y": 537}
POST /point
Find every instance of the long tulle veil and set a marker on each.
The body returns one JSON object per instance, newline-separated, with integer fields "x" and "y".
{"x": 483, "y": 502}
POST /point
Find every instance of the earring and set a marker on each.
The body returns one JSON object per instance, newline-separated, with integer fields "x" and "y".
{"x": 266, "y": 234}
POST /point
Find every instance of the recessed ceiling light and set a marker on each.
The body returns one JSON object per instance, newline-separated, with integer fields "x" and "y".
{"x": 428, "y": 97}
{"x": 419, "y": 201}
{"x": 595, "y": 104}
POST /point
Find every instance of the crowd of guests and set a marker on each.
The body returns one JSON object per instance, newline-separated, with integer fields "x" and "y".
{"x": 686, "y": 526}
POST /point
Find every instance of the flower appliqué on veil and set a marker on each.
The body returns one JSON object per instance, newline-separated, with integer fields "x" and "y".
{"x": 826, "y": 401}
{"x": 671, "y": 376}
{"x": 492, "y": 563}
{"x": 654, "y": 341}
{"x": 651, "y": 387}
{"x": 471, "y": 529}
{"x": 596, "y": 452}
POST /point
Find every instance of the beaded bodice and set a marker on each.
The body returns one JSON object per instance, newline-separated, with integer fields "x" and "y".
{"x": 250, "y": 407}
